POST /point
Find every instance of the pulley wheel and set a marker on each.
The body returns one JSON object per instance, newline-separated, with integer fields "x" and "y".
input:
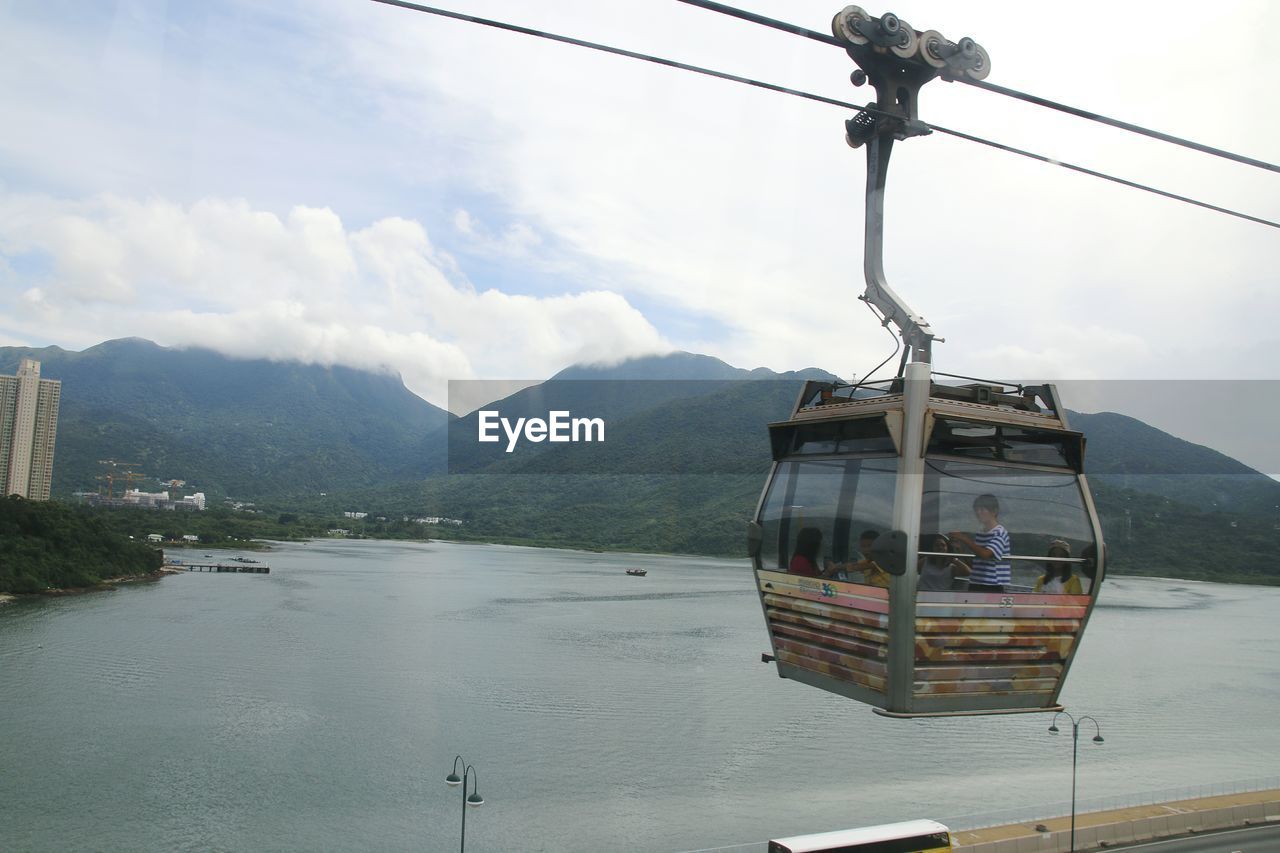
{"x": 842, "y": 24}
{"x": 981, "y": 66}
{"x": 907, "y": 49}
{"x": 929, "y": 49}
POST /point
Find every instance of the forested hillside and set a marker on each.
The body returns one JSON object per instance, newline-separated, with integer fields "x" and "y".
{"x": 46, "y": 544}
{"x": 1126, "y": 453}
{"x": 682, "y": 467}
{"x": 240, "y": 427}
{"x": 684, "y": 477}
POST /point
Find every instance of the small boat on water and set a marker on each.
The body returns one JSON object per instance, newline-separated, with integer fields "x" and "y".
{"x": 639, "y": 573}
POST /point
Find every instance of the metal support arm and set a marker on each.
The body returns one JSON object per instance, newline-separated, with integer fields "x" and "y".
{"x": 913, "y": 328}
{"x": 898, "y": 61}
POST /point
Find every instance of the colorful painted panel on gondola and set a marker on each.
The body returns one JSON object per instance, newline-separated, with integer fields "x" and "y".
{"x": 831, "y": 628}
{"x": 1013, "y": 646}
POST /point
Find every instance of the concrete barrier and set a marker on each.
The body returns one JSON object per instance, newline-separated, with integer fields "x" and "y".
{"x": 1126, "y": 826}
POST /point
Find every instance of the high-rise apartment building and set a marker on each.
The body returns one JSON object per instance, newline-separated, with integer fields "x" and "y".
{"x": 28, "y": 428}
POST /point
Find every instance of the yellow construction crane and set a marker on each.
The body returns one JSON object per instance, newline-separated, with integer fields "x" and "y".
{"x": 127, "y": 468}
{"x": 111, "y": 479}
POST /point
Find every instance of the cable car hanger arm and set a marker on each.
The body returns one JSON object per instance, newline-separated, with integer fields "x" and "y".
{"x": 914, "y": 329}
{"x": 898, "y": 62}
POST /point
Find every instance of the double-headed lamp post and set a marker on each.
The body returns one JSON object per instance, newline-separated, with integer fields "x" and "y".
{"x": 468, "y": 775}
{"x": 1075, "y": 745}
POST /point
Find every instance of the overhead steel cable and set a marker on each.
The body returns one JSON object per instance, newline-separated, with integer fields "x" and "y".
{"x": 997, "y": 89}
{"x": 670, "y": 63}
{"x": 734, "y": 12}
{"x": 1122, "y": 181}
{"x": 630, "y": 54}
{"x": 1123, "y": 125}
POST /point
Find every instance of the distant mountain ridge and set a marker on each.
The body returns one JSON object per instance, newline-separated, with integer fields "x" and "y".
{"x": 614, "y": 393}
{"x": 1126, "y": 453}
{"x": 672, "y": 366}
{"x": 285, "y": 432}
{"x": 256, "y": 427}
{"x": 244, "y": 427}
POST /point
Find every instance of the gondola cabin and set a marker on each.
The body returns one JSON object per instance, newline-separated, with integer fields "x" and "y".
{"x": 880, "y": 568}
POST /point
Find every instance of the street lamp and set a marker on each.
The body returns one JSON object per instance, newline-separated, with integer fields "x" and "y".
{"x": 1075, "y": 745}
{"x": 468, "y": 774}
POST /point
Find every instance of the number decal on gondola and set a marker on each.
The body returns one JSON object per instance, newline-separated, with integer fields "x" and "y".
{"x": 1006, "y": 601}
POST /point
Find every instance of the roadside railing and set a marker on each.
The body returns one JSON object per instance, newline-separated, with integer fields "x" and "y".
{"x": 1046, "y": 811}
{"x": 1102, "y": 804}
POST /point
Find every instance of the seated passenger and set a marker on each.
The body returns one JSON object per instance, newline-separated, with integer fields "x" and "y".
{"x": 938, "y": 574}
{"x": 805, "y": 559}
{"x": 872, "y": 573}
{"x": 1058, "y": 578}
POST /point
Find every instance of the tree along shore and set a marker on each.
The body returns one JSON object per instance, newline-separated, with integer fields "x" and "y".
{"x": 49, "y": 546}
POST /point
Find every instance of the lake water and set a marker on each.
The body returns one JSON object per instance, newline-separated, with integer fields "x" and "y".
{"x": 320, "y": 708}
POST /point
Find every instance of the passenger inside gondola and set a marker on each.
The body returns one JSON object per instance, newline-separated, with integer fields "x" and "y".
{"x": 870, "y": 571}
{"x": 940, "y": 571}
{"x": 805, "y": 559}
{"x": 991, "y": 571}
{"x": 1059, "y": 577}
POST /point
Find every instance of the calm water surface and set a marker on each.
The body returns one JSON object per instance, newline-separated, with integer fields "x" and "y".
{"x": 320, "y": 708}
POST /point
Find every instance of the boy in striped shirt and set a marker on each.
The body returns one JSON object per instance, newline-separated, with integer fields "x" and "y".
{"x": 991, "y": 571}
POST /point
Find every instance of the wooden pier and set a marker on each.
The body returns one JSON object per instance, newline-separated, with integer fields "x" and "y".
{"x": 239, "y": 568}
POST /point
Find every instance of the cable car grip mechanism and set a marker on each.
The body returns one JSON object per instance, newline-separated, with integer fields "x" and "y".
{"x": 897, "y": 61}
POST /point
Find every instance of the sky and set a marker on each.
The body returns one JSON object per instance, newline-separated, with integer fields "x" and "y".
{"x": 345, "y": 182}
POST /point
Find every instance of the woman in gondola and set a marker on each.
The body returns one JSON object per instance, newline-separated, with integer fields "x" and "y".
{"x": 805, "y": 559}
{"x": 1058, "y": 577}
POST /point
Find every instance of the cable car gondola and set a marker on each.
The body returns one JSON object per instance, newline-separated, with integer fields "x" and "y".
{"x": 869, "y": 482}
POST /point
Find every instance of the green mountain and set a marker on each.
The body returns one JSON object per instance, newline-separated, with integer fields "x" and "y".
{"x": 241, "y": 427}
{"x": 683, "y": 476}
{"x": 682, "y": 467}
{"x": 654, "y": 386}
{"x": 1127, "y": 454}
{"x": 679, "y": 475}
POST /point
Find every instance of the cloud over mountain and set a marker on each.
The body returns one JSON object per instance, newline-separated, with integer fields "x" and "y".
{"x": 250, "y": 283}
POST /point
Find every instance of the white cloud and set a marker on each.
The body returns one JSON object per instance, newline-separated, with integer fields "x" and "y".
{"x": 463, "y": 222}
{"x": 731, "y": 216}
{"x": 250, "y": 283}
{"x": 745, "y": 207}
{"x": 1066, "y": 352}
{"x": 518, "y": 240}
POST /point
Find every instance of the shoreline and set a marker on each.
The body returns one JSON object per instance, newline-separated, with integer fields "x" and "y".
{"x": 105, "y": 585}
{"x": 245, "y": 545}
{"x": 109, "y": 584}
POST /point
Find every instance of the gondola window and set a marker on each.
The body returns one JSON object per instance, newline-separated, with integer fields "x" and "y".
{"x": 840, "y": 498}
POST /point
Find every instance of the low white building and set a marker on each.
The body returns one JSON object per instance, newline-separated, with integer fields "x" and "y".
{"x": 434, "y": 519}
{"x": 147, "y": 499}
{"x": 163, "y": 500}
